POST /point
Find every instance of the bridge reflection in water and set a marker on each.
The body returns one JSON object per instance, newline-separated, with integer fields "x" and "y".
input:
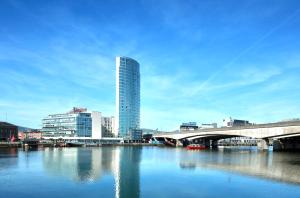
{"x": 148, "y": 172}
{"x": 90, "y": 164}
{"x": 269, "y": 165}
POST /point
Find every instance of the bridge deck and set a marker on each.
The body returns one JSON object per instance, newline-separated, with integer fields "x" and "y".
{"x": 255, "y": 131}
{"x": 256, "y": 126}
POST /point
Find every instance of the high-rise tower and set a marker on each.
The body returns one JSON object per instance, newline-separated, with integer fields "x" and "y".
{"x": 127, "y": 96}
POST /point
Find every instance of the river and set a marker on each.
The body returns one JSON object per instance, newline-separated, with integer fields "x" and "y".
{"x": 131, "y": 172}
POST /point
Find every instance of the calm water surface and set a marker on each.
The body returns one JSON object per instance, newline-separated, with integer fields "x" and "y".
{"x": 148, "y": 172}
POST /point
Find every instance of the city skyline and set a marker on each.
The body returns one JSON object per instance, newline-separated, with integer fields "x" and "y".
{"x": 200, "y": 61}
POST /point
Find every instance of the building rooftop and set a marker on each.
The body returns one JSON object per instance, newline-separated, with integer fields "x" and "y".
{"x": 78, "y": 110}
{"x": 6, "y": 124}
{"x": 128, "y": 58}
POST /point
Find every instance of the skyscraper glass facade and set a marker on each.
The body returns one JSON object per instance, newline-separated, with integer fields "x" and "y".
{"x": 127, "y": 96}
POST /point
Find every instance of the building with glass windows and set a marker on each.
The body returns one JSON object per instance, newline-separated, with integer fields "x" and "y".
{"x": 76, "y": 123}
{"x": 188, "y": 126}
{"x": 127, "y": 96}
{"x": 230, "y": 122}
{"x": 107, "y": 126}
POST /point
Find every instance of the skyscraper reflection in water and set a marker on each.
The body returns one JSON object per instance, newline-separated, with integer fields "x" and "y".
{"x": 127, "y": 174}
{"x": 90, "y": 164}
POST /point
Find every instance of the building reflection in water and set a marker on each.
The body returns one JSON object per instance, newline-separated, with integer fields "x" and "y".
{"x": 270, "y": 165}
{"x": 127, "y": 174}
{"x": 11, "y": 158}
{"x": 90, "y": 164}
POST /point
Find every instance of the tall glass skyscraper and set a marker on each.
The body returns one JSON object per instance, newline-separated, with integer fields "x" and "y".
{"x": 127, "y": 96}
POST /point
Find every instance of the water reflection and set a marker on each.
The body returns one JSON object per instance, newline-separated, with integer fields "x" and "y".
{"x": 127, "y": 173}
{"x": 118, "y": 172}
{"x": 90, "y": 164}
{"x": 271, "y": 165}
{"x": 11, "y": 158}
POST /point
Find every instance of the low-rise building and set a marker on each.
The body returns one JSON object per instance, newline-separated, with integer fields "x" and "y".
{"x": 230, "y": 122}
{"x": 136, "y": 135}
{"x": 188, "y": 126}
{"x": 78, "y": 123}
{"x": 209, "y": 126}
{"x": 21, "y": 135}
{"x": 8, "y": 132}
{"x": 75, "y": 123}
{"x": 30, "y": 135}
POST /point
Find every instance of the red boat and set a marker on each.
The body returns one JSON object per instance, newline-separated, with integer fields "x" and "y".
{"x": 196, "y": 147}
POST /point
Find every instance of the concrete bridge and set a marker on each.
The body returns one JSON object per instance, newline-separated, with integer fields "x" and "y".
{"x": 285, "y": 135}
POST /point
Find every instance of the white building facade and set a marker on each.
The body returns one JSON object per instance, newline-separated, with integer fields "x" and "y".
{"x": 127, "y": 96}
{"x": 96, "y": 125}
{"x": 76, "y": 123}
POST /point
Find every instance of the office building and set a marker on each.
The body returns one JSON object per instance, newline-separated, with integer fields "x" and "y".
{"x": 188, "y": 126}
{"x": 76, "y": 123}
{"x": 102, "y": 126}
{"x": 230, "y": 122}
{"x": 107, "y": 126}
{"x": 136, "y": 134}
{"x": 127, "y": 96}
{"x": 32, "y": 134}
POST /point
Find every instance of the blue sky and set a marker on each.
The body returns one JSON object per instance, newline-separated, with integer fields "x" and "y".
{"x": 200, "y": 60}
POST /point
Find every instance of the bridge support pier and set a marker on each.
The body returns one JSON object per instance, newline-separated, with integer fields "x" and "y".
{"x": 263, "y": 144}
{"x": 278, "y": 145}
{"x": 286, "y": 144}
{"x": 178, "y": 143}
{"x": 185, "y": 142}
{"x": 214, "y": 144}
{"x": 206, "y": 142}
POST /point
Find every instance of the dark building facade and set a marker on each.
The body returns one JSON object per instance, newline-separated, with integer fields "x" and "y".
{"x": 8, "y": 132}
{"x": 229, "y": 122}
